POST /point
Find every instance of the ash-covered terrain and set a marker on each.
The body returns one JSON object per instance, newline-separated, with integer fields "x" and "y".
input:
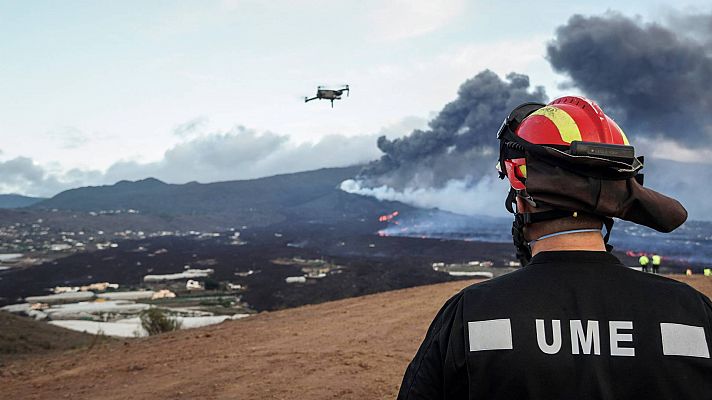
{"x": 280, "y": 242}
{"x": 356, "y": 264}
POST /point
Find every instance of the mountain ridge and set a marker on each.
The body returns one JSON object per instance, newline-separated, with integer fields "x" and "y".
{"x": 139, "y": 194}
{"x": 301, "y": 197}
{"x": 12, "y": 200}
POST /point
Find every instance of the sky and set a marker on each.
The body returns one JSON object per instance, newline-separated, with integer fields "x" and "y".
{"x": 92, "y": 92}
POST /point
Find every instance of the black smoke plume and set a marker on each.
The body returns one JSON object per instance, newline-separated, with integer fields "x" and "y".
{"x": 654, "y": 79}
{"x": 460, "y": 141}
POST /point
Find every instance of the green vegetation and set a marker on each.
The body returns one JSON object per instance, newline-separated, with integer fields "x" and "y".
{"x": 156, "y": 320}
{"x": 211, "y": 284}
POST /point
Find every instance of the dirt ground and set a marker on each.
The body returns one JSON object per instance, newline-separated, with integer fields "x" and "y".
{"x": 356, "y": 348}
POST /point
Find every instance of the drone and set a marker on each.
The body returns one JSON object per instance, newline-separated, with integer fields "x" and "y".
{"x": 328, "y": 94}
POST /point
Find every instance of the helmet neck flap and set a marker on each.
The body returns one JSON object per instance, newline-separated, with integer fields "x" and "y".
{"x": 569, "y": 184}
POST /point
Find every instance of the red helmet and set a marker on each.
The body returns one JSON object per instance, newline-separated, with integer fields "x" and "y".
{"x": 579, "y": 161}
{"x": 564, "y": 120}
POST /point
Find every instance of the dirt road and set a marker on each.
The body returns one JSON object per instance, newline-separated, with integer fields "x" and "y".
{"x": 349, "y": 349}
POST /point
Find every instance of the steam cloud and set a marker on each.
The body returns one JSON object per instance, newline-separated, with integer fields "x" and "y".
{"x": 461, "y": 196}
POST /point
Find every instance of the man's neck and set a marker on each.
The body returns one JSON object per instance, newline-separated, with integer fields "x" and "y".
{"x": 585, "y": 241}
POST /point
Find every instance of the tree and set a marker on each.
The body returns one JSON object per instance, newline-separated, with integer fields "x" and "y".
{"x": 155, "y": 321}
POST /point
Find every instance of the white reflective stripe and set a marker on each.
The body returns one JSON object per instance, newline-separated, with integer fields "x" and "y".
{"x": 493, "y": 334}
{"x": 684, "y": 340}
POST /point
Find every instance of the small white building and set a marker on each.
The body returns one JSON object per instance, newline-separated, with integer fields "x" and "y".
{"x": 193, "y": 285}
{"x": 163, "y": 294}
{"x": 66, "y": 297}
{"x": 130, "y": 295}
{"x": 296, "y": 279}
{"x": 188, "y": 273}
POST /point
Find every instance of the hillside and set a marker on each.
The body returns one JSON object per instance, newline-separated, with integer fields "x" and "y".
{"x": 356, "y": 348}
{"x": 17, "y": 201}
{"x": 154, "y": 196}
{"x": 303, "y": 197}
{"x": 20, "y": 336}
{"x": 351, "y": 349}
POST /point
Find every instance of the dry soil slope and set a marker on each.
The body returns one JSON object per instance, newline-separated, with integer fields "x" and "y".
{"x": 21, "y": 336}
{"x": 349, "y": 349}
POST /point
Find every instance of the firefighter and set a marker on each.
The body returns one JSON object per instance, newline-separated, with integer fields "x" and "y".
{"x": 656, "y": 262}
{"x": 644, "y": 261}
{"x": 574, "y": 322}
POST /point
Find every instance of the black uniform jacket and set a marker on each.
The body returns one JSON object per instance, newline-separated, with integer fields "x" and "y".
{"x": 570, "y": 325}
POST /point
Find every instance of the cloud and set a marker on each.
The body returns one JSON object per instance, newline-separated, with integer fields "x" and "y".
{"x": 69, "y": 137}
{"x": 668, "y": 149}
{"x": 191, "y": 127}
{"x": 403, "y": 127}
{"x": 500, "y": 56}
{"x": 23, "y": 175}
{"x": 243, "y": 153}
{"x": 239, "y": 153}
{"x": 402, "y": 19}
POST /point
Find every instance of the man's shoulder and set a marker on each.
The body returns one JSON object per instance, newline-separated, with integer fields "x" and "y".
{"x": 663, "y": 284}
{"x": 554, "y": 273}
{"x": 501, "y": 283}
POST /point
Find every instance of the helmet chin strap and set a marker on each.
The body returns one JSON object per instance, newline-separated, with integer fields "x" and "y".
{"x": 522, "y": 246}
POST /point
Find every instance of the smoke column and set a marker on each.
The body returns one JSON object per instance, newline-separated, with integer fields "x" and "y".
{"x": 451, "y": 165}
{"x": 460, "y": 141}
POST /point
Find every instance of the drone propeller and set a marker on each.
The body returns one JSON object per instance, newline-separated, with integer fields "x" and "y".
{"x": 305, "y": 99}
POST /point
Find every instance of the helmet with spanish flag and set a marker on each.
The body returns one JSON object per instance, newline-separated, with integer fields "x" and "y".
{"x": 569, "y": 158}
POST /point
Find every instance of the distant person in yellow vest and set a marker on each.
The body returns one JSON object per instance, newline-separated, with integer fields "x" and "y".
{"x": 656, "y": 263}
{"x": 644, "y": 261}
